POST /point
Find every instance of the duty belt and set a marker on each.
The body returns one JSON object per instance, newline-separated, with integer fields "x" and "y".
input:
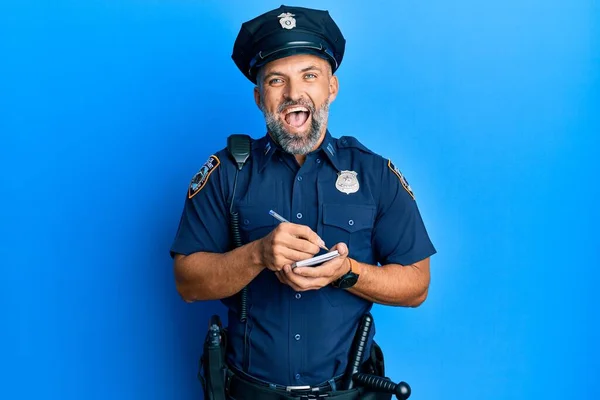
{"x": 242, "y": 384}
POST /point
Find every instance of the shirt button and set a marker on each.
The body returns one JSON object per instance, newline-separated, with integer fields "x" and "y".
{"x": 298, "y": 295}
{"x": 297, "y": 337}
{"x": 246, "y": 222}
{"x": 318, "y": 161}
{"x": 351, "y": 222}
{"x": 297, "y": 376}
{"x": 299, "y": 178}
{"x": 299, "y": 215}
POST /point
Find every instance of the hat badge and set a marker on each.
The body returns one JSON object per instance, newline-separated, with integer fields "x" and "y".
{"x": 287, "y": 20}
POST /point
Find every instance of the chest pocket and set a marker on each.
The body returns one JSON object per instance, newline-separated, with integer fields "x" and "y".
{"x": 351, "y": 224}
{"x": 255, "y": 222}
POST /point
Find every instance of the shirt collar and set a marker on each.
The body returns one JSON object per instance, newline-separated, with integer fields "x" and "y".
{"x": 329, "y": 147}
{"x": 268, "y": 148}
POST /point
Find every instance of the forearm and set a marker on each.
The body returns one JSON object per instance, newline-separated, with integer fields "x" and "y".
{"x": 393, "y": 284}
{"x": 209, "y": 276}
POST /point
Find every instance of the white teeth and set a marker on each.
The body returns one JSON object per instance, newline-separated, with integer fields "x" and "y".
{"x": 294, "y": 109}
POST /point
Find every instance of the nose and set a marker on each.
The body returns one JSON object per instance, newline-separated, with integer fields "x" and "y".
{"x": 292, "y": 91}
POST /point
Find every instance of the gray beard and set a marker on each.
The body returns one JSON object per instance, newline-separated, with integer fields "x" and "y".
{"x": 294, "y": 143}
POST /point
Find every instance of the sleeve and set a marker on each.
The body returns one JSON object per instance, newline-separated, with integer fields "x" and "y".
{"x": 399, "y": 235}
{"x": 203, "y": 224}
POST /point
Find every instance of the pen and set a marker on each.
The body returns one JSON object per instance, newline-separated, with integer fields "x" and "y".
{"x": 281, "y": 219}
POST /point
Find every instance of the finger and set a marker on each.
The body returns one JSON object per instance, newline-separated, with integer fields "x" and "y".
{"x": 309, "y": 272}
{"x": 285, "y": 279}
{"x": 289, "y": 241}
{"x": 301, "y": 283}
{"x": 304, "y": 232}
{"x": 281, "y": 277}
{"x": 325, "y": 270}
{"x": 298, "y": 244}
{"x": 342, "y": 248}
{"x": 293, "y": 255}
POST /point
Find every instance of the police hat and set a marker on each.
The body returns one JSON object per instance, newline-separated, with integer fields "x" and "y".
{"x": 286, "y": 31}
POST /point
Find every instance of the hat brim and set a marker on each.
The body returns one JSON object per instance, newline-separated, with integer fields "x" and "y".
{"x": 287, "y": 49}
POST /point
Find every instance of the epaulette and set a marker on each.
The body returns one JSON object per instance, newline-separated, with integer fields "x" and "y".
{"x": 352, "y": 142}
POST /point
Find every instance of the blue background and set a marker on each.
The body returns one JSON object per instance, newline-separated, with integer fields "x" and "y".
{"x": 491, "y": 109}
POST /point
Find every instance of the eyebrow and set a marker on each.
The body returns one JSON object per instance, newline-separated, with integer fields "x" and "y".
{"x": 277, "y": 73}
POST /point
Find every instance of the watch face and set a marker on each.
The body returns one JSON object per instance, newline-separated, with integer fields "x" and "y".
{"x": 348, "y": 280}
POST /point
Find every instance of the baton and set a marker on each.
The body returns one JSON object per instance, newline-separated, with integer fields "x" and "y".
{"x": 358, "y": 349}
{"x": 373, "y": 382}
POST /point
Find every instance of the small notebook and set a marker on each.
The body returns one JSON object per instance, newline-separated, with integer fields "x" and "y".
{"x": 316, "y": 260}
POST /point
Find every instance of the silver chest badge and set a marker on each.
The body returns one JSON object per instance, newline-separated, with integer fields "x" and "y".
{"x": 287, "y": 20}
{"x": 347, "y": 182}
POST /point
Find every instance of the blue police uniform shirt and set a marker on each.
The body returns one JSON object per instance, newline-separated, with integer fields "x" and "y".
{"x": 302, "y": 338}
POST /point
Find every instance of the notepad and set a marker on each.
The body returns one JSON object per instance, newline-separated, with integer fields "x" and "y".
{"x": 316, "y": 260}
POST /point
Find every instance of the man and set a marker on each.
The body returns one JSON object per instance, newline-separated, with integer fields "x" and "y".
{"x": 335, "y": 192}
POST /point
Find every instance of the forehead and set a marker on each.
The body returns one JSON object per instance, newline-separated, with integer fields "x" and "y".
{"x": 295, "y": 63}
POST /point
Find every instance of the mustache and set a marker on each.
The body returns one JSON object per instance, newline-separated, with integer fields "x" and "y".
{"x": 301, "y": 102}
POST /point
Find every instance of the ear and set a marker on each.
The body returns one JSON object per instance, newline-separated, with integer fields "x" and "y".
{"x": 334, "y": 87}
{"x": 257, "y": 97}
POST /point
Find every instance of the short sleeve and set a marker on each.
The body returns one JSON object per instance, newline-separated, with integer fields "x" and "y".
{"x": 399, "y": 235}
{"x": 203, "y": 224}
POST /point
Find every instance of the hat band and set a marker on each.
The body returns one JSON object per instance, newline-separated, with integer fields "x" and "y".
{"x": 291, "y": 45}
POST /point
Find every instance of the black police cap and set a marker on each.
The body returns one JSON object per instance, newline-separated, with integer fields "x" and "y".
{"x": 286, "y": 31}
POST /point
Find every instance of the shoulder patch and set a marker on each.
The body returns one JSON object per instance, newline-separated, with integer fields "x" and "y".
{"x": 403, "y": 180}
{"x": 350, "y": 141}
{"x": 201, "y": 177}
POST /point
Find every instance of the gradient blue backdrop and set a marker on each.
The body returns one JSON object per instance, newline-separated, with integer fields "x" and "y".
{"x": 491, "y": 109}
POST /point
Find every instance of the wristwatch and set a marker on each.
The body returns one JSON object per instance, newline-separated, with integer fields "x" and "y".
{"x": 349, "y": 279}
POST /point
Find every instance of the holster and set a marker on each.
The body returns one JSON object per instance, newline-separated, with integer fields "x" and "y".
{"x": 374, "y": 365}
{"x": 213, "y": 368}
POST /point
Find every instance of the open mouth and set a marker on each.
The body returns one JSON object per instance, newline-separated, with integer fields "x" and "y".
{"x": 296, "y": 116}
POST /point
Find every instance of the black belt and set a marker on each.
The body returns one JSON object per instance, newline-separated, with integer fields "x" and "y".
{"x": 242, "y": 387}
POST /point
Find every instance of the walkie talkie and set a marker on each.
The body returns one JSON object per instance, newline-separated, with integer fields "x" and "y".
{"x": 239, "y": 147}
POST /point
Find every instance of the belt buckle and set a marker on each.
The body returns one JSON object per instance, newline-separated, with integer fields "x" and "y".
{"x": 294, "y": 388}
{"x": 306, "y": 392}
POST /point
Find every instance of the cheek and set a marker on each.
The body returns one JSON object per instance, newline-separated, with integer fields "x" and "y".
{"x": 320, "y": 94}
{"x": 271, "y": 103}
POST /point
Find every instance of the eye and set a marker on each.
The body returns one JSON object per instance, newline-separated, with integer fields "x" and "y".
{"x": 310, "y": 75}
{"x": 275, "y": 81}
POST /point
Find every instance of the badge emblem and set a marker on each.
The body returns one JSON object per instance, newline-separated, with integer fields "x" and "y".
{"x": 201, "y": 177}
{"x": 287, "y": 20}
{"x": 347, "y": 182}
{"x": 403, "y": 180}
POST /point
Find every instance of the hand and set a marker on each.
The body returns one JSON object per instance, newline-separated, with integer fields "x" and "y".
{"x": 310, "y": 278}
{"x": 287, "y": 244}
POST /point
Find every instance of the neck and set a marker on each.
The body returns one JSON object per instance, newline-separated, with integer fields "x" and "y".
{"x": 302, "y": 157}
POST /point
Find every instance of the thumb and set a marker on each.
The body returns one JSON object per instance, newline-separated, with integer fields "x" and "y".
{"x": 342, "y": 249}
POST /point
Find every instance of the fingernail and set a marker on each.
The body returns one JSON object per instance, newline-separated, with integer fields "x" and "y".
{"x": 322, "y": 243}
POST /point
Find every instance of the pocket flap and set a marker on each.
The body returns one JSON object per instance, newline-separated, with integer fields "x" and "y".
{"x": 254, "y": 217}
{"x": 349, "y": 217}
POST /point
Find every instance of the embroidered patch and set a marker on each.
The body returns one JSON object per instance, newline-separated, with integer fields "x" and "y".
{"x": 402, "y": 178}
{"x": 201, "y": 177}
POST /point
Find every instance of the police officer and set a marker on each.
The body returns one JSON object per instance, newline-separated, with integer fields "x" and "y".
{"x": 336, "y": 194}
